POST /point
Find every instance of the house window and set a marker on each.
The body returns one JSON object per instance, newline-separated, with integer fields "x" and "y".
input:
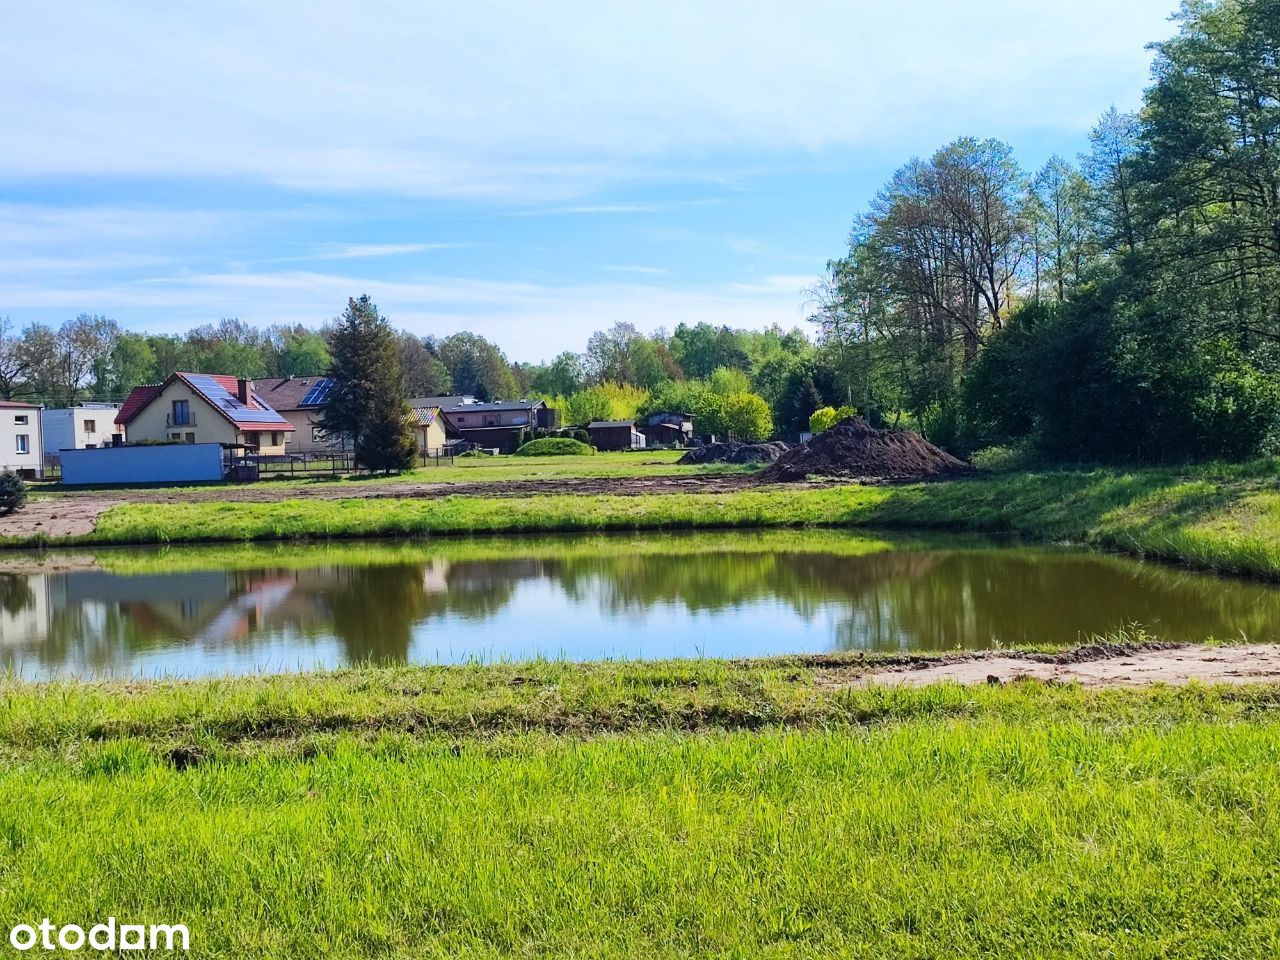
{"x": 181, "y": 413}
{"x": 175, "y": 436}
{"x": 275, "y": 438}
{"x": 251, "y": 439}
{"x": 24, "y": 443}
{"x": 21, "y": 419}
{"x": 91, "y": 426}
{"x": 191, "y": 438}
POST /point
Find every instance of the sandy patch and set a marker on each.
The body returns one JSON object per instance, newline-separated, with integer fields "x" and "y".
{"x": 56, "y": 517}
{"x": 1134, "y": 668}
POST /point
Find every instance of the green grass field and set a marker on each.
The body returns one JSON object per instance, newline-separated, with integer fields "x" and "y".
{"x": 657, "y": 810}
{"x": 1218, "y": 517}
{"x": 648, "y": 463}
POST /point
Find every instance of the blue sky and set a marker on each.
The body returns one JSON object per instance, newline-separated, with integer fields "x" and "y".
{"x": 532, "y": 172}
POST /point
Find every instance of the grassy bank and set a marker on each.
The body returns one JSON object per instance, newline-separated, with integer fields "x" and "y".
{"x": 750, "y": 810}
{"x": 1225, "y": 518}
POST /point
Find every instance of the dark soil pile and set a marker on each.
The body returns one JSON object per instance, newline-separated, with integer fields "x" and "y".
{"x": 732, "y": 452}
{"x": 856, "y": 450}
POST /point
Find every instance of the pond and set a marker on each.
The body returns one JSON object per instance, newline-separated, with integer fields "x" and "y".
{"x": 202, "y": 611}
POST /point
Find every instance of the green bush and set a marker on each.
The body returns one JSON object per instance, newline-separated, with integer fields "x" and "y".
{"x": 999, "y": 459}
{"x": 555, "y": 447}
{"x": 13, "y": 492}
{"x": 824, "y": 418}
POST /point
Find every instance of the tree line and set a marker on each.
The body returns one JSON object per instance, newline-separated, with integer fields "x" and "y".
{"x": 748, "y": 383}
{"x": 1122, "y": 306}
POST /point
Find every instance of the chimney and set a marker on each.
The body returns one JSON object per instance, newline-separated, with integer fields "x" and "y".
{"x": 244, "y": 390}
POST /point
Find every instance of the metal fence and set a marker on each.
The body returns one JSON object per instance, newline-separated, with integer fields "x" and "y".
{"x": 320, "y": 464}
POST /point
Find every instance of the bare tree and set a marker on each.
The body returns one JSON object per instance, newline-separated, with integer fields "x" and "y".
{"x": 80, "y": 344}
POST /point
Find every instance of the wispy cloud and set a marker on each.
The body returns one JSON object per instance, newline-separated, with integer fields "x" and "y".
{"x": 359, "y": 251}
{"x": 638, "y": 269}
{"x": 608, "y": 209}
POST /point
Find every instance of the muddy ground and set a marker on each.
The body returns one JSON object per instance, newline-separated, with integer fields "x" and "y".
{"x": 74, "y": 514}
{"x": 1097, "y": 666}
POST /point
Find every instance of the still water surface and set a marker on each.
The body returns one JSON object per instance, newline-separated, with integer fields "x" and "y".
{"x": 198, "y": 612}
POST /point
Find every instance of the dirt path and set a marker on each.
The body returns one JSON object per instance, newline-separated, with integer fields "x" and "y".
{"x": 1099, "y": 666}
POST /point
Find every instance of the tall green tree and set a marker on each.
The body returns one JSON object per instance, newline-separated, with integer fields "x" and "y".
{"x": 1060, "y": 210}
{"x": 304, "y": 354}
{"x": 367, "y": 402}
{"x": 477, "y": 367}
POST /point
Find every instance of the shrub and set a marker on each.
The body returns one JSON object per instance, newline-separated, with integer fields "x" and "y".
{"x": 13, "y": 492}
{"x": 555, "y": 447}
{"x": 999, "y": 459}
{"x": 746, "y": 417}
{"x": 940, "y": 424}
{"x": 824, "y": 418}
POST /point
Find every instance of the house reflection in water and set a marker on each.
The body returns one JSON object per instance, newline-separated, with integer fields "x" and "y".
{"x": 585, "y": 604}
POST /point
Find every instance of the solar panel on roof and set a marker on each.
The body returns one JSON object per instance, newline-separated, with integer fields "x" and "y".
{"x": 318, "y": 394}
{"x": 215, "y": 392}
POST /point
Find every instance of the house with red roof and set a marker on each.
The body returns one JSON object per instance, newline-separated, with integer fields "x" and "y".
{"x": 204, "y": 408}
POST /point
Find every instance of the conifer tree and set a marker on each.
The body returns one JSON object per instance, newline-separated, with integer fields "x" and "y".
{"x": 367, "y": 402}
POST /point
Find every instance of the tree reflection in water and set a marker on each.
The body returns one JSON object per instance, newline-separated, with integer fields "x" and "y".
{"x": 913, "y": 597}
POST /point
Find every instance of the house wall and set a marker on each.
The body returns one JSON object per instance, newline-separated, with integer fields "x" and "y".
{"x": 67, "y": 428}
{"x": 31, "y": 463}
{"x": 430, "y": 438}
{"x": 269, "y": 442}
{"x": 303, "y": 439}
{"x": 463, "y": 418}
{"x": 664, "y": 433}
{"x": 171, "y": 463}
{"x": 616, "y": 438}
{"x": 59, "y": 433}
{"x": 207, "y": 426}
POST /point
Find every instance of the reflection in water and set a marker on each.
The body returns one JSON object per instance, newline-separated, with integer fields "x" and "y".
{"x": 659, "y": 597}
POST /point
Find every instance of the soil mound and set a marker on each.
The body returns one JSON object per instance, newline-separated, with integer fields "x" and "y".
{"x": 856, "y": 450}
{"x": 732, "y": 452}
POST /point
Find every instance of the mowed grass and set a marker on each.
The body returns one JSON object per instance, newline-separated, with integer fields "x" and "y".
{"x": 647, "y": 463}
{"x": 1019, "y": 821}
{"x": 1220, "y": 517}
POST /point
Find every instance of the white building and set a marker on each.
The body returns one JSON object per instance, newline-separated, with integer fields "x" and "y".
{"x": 82, "y": 427}
{"x": 21, "y": 439}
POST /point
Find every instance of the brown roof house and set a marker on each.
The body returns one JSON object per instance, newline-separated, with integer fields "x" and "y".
{"x": 301, "y": 401}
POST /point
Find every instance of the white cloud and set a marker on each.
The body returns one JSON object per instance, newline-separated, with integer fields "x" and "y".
{"x": 360, "y": 251}
{"x": 539, "y": 101}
